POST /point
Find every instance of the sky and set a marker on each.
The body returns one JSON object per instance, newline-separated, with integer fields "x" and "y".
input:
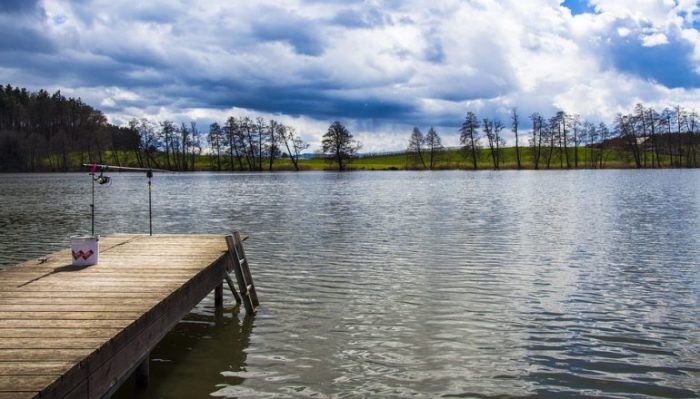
{"x": 378, "y": 66}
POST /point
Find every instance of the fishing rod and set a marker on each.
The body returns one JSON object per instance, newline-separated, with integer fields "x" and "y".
{"x": 102, "y": 180}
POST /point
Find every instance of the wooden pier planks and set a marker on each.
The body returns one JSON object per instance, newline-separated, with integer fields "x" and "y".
{"x": 80, "y": 332}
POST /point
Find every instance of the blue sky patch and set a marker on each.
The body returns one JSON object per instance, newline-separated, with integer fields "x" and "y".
{"x": 579, "y": 6}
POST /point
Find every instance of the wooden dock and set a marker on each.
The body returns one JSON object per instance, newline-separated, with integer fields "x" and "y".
{"x": 72, "y": 332}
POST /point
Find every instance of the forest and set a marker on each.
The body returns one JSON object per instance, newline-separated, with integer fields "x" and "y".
{"x": 40, "y": 131}
{"x": 49, "y": 132}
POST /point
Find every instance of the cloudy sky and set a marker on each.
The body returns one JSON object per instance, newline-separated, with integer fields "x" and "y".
{"x": 378, "y": 66}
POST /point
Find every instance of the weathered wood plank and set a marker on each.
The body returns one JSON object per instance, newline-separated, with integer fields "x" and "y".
{"x": 119, "y": 307}
{"x": 50, "y": 343}
{"x": 60, "y": 301}
{"x": 91, "y": 285}
{"x": 105, "y": 279}
{"x": 58, "y": 293}
{"x": 36, "y": 355}
{"x": 75, "y": 324}
{"x": 173, "y": 269}
{"x": 25, "y": 383}
{"x": 69, "y": 316}
{"x": 78, "y": 332}
{"x": 172, "y": 311}
{"x": 58, "y": 332}
{"x": 34, "y": 368}
{"x": 18, "y": 395}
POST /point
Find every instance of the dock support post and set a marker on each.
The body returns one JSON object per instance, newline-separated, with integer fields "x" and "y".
{"x": 232, "y": 288}
{"x": 143, "y": 372}
{"x": 219, "y": 295}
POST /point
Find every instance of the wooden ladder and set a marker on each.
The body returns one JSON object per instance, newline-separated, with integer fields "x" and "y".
{"x": 240, "y": 266}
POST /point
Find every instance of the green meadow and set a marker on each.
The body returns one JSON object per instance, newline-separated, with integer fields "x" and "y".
{"x": 587, "y": 158}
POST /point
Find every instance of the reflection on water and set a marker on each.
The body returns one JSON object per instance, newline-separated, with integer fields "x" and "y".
{"x": 397, "y": 284}
{"x": 208, "y": 346}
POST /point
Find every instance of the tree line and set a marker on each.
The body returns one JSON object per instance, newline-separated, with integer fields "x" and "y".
{"x": 646, "y": 137}
{"x": 41, "y": 131}
{"x": 239, "y": 144}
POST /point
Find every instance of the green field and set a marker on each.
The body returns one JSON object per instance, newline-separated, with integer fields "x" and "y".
{"x": 448, "y": 159}
{"x": 455, "y": 159}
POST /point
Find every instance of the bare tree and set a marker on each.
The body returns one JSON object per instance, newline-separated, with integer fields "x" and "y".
{"x": 536, "y": 140}
{"x": 624, "y": 126}
{"x": 247, "y": 127}
{"x": 514, "y": 121}
{"x": 339, "y": 144}
{"x": 167, "y": 135}
{"x": 636, "y": 126}
{"x": 469, "y": 136}
{"x": 553, "y": 133}
{"x": 233, "y": 132}
{"x": 434, "y": 145}
{"x": 654, "y": 122}
{"x": 195, "y": 144}
{"x": 294, "y": 144}
{"x": 415, "y": 145}
{"x": 500, "y": 142}
{"x": 215, "y": 138}
{"x": 183, "y": 147}
{"x": 272, "y": 147}
{"x": 261, "y": 130}
{"x": 691, "y": 126}
{"x": 575, "y": 124}
{"x": 604, "y": 134}
{"x": 680, "y": 116}
{"x": 492, "y": 131}
{"x": 589, "y": 136}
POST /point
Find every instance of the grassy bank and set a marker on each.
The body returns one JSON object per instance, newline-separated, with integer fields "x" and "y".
{"x": 448, "y": 159}
{"x": 456, "y": 159}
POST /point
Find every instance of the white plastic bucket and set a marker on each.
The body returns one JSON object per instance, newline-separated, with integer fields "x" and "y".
{"x": 85, "y": 250}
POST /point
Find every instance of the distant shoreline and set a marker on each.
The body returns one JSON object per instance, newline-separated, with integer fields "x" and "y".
{"x": 581, "y": 158}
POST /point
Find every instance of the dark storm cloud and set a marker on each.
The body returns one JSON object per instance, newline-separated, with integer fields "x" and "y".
{"x": 19, "y": 6}
{"x": 18, "y": 39}
{"x": 305, "y": 101}
{"x": 289, "y": 100}
{"x": 21, "y": 27}
{"x": 300, "y": 33}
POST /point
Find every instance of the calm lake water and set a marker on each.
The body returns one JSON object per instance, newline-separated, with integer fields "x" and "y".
{"x": 414, "y": 284}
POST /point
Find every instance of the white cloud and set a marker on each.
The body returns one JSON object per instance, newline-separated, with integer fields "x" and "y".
{"x": 381, "y": 67}
{"x": 655, "y": 39}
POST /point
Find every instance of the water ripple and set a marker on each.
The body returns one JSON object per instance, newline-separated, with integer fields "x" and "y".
{"x": 406, "y": 284}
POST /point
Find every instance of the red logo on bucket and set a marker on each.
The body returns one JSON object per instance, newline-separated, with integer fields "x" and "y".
{"x": 82, "y": 254}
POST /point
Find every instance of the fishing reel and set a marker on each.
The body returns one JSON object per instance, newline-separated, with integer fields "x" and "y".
{"x": 102, "y": 179}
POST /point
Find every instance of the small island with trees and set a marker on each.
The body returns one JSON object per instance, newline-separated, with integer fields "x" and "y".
{"x": 42, "y": 132}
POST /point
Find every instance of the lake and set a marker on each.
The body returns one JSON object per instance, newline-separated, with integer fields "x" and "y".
{"x": 413, "y": 284}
